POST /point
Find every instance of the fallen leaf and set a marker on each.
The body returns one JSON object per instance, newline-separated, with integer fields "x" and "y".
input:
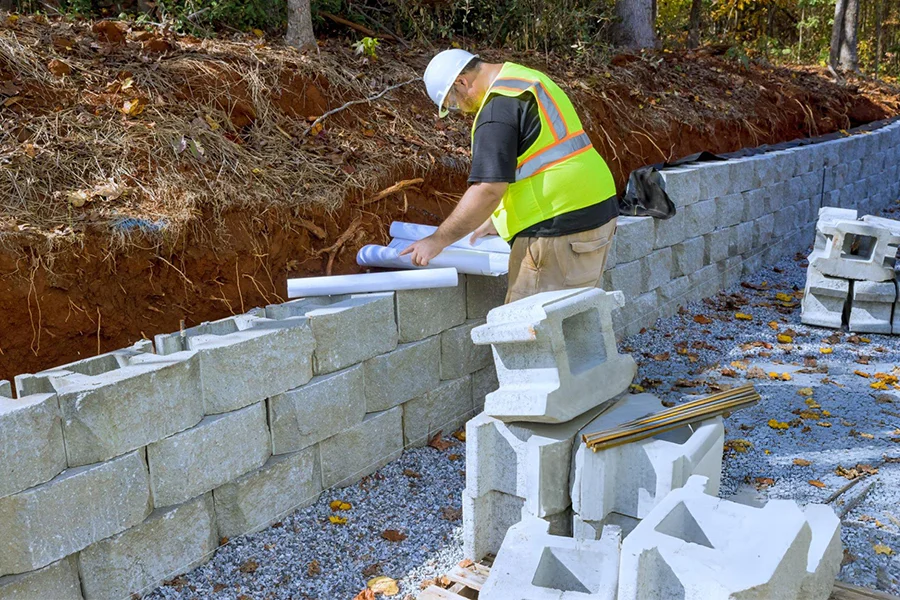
{"x": 762, "y": 483}
{"x": 755, "y": 373}
{"x": 133, "y": 108}
{"x": 882, "y": 549}
{"x": 383, "y": 585}
{"x": 411, "y": 473}
{"x": 743, "y": 316}
{"x": 776, "y": 424}
{"x": 112, "y": 32}
{"x": 313, "y": 569}
{"x": 774, "y": 325}
{"x": 816, "y": 483}
{"x": 460, "y": 435}
{"x": 437, "y": 443}
{"x": 455, "y": 457}
{"x": 59, "y": 68}
{"x": 739, "y": 364}
{"x": 807, "y": 391}
{"x": 729, "y": 373}
{"x": 258, "y": 33}
{"x": 451, "y": 514}
{"x": 802, "y": 462}
{"x": 702, "y": 319}
{"x": 661, "y": 357}
{"x": 637, "y": 388}
{"x": 392, "y": 535}
{"x": 337, "y": 505}
{"x": 784, "y": 339}
{"x": 366, "y": 594}
{"x": 826, "y": 350}
{"x": 465, "y": 563}
{"x": 823, "y": 423}
{"x": 868, "y": 436}
{"x": 371, "y": 570}
{"x": 738, "y": 445}
{"x": 249, "y": 567}
{"x": 337, "y": 520}
{"x": 861, "y": 373}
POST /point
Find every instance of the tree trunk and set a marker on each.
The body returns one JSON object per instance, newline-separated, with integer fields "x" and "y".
{"x": 299, "y": 28}
{"x": 844, "y": 36}
{"x": 636, "y": 27}
{"x": 879, "y": 15}
{"x": 694, "y": 31}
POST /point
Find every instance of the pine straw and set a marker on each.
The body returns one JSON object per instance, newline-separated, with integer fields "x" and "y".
{"x": 69, "y": 134}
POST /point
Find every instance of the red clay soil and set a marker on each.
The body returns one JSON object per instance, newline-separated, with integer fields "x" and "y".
{"x": 63, "y": 301}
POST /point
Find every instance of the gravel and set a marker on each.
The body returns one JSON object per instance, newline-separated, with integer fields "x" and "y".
{"x": 843, "y": 424}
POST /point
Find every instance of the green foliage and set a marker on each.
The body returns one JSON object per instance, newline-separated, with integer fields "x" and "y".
{"x": 366, "y": 47}
{"x": 194, "y": 15}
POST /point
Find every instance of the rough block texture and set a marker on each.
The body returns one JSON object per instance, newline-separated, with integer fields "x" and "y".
{"x": 219, "y": 449}
{"x": 361, "y": 450}
{"x": 31, "y": 447}
{"x": 823, "y": 299}
{"x": 169, "y": 542}
{"x": 284, "y": 484}
{"x": 445, "y": 408}
{"x": 699, "y": 218}
{"x": 484, "y": 382}
{"x": 484, "y": 293}
{"x": 423, "y": 313}
{"x": 459, "y": 356}
{"x": 626, "y": 278}
{"x": 656, "y": 269}
{"x": 347, "y": 329}
{"x": 872, "y": 306}
{"x": 403, "y": 374}
{"x": 850, "y": 249}
{"x": 72, "y": 511}
{"x": 634, "y": 238}
{"x": 669, "y": 232}
{"x": 688, "y": 256}
{"x": 58, "y": 581}
{"x": 325, "y": 406}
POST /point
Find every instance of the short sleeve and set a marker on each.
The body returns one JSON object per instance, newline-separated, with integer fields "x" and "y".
{"x": 496, "y": 141}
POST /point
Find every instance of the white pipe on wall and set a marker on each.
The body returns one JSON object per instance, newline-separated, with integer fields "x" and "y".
{"x": 372, "y": 282}
{"x": 414, "y": 232}
{"x": 470, "y": 262}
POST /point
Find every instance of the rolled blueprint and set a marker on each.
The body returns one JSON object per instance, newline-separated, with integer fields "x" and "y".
{"x": 471, "y": 262}
{"x": 372, "y": 282}
{"x": 414, "y": 232}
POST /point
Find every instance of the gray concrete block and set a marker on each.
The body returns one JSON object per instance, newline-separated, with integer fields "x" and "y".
{"x": 715, "y": 179}
{"x": 254, "y": 501}
{"x": 642, "y": 313}
{"x": 699, "y": 218}
{"x": 484, "y": 382}
{"x": 424, "y": 313}
{"x": 219, "y": 449}
{"x": 117, "y": 402}
{"x": 612, "y": 257}
{"x": 706, "y": 281}
{"x": 776, "y": 196}
{"x": 459, "y": 356}
{"x": 823, "y": 299}
{"x": 785, "y": 220}
{"x": 872, "y": 306}
{"x": 46, "y": 523}
{"x": 763, "y": 229}
{"x": 347, "y": 329}
{"x": 445, "y": 408}
{"x": 811, "y": 184}
{"x": 687, "y": 256}
{"x": 656, "y": 269}
{"x": 753, "y": 262}
{"x": 626, "y": 278}
{"x": 744, "y": 174}
{"x": 673, "y": 294}
{"x": 484, "y": 293}
{"x": 669, "y": 232}
{"x": 403, "y": 374}
{"x": 718, "y": 244}
{"x": 325, "y": 406}
{"x": 755, "y": 203}
{"x": 634, "y": 238}
{"x": 729, "y": 210}
{"x": 731, "y": 269}
{"x": 169, "y": 542}
{"x": 31, "y": 446}
{"x": 682, "y": 185}
{"x": 743, "y": 238}
{"x": 58, "y": 581}
{"x": 361, "y": 450}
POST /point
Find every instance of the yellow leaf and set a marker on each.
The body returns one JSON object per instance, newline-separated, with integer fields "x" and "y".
{"x": 784, "y": 339}
{"x": 773, "y": 325}
{"x": 775, "y": 424}
{"x": 882, "y": 549}
{"x": 802, "y": 462}
{"x": 12, "y": 19}
{"x": 127, "y": 85}
{"x": 784, "y": 297}
{"x": 878, "y": 385}
{"x": 259, "y": 33}
{"x": 823, "y": 423}
{"x": 826, "y": 350}
{"x": 78, "y": 199}
{"x": 861, "y": 373}
{"x": 637, "y": 388}
{"x": 739, "y": 364}
{"x": 739, "y": 445}
{"x": 211, "y": 122}
{"x": 133, "y": 108}
{"x": 785, "y": 376}
{"x": 805, "y": 391}
{"x": 460, "y": 435}
{"x": 743, "y": 316}
{"x": 773, "y": 375}
{"x": 868, "y": 436}
{"x": 864, "y": 340}
{"x": 767, "y": 452}
{"x": 337, "y": 520}
{"x": 383, "y": 585}
{"x": 816, "y": 483}
{"x": 337, "y": 505}
{"x": 825, "y": 413}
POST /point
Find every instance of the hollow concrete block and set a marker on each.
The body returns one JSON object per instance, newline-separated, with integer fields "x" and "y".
{"x": 363, "y": 449}
{"x": 872, "y": 306}
{"x": 171, "y": 541}
{"x": 459, "y": 356}
{"x": 861, "y": 250}
{"x": 31, "y": 440}
{"x": 347, "y": 329}
{"x": 78, "y": 507}
{"x": 634, "y": 238}
{"x": 120, "y": 401}
{"x": 423, "y": 313}
{"x": 325, "y": 406}
{"x": 58, "y": 581}
{"x": 445, "y": 408}
{"x": 219, "y": 449}
{"x": 823, "y": 299}
{"x": 484, "y": 293}
{"x": 253, "y": 501}
{"x": 825, "y": 553}
{"x": 402, "y": 374}
{"x": 536, "y": 565}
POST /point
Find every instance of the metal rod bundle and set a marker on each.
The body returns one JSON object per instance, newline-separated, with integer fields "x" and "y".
{"x": 672, "y": 418}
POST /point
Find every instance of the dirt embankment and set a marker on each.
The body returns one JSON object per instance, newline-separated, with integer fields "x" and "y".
{"x": 151, "y": 180}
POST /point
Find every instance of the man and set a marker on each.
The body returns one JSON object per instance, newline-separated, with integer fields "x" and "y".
{"x": 535, "y": 179}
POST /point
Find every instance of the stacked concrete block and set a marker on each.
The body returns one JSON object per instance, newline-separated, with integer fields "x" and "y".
{"x": 872, "y": 306}
{"x": 484, "y": 293}
{"x": 363, "y": 449}
{"x": 625, "y": 278}
{"x": 347, "y": 329}
{"x": 48, "y": 522}
{"x": 121, "y": 401}
{"x": 58, "y": 581}
{"x": 851, "y": 249}
{"x": 699, "y": 218}
{"x": 169, "y": 542}
{"x": 484, "y": 381}
{"x": 534, "y": 564}
{"x": 423, "y": 313}
{"x": 555, "y": 355}
{"x": 459, "y": 356}
{"x": 688, "y": 256}
{"x": 682, "y": 185}
{"x": 402, "y": 374}
{"x": 696, "y": 546}
{"x": 634, "y": 238}
{"x": 669, "y": 232}
{"x": 445, "y": 408}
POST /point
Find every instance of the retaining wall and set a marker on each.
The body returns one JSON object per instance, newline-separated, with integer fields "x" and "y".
{"x": 122, "y": 470}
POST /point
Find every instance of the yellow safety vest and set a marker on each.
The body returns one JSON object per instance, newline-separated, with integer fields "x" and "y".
{"x": 561, "y": 171}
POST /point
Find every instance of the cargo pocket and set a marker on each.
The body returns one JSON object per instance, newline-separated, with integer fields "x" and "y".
{"x": 585, "y": 262}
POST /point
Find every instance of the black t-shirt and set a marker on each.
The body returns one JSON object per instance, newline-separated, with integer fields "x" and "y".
{"x": 506, "y": 128}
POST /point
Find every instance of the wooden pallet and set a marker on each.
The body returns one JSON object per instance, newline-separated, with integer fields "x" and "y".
{"x": 467, "y": 582}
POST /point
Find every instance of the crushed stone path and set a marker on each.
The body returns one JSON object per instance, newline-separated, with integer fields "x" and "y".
{"x": 817, "y": 393}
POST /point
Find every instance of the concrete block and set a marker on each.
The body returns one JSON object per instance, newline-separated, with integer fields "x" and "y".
{"x": 58, "y": 581}
{"x": 254, "y": 501}
{"x": 669, "y": 232}
{"x": 612, "y": 257}
{"x": 423, "y": 313}
{"x": 785, "y": 221}
{"x": 634, "y": 238}
{"x": 484, "y": 381}
{"x": 592, "y": 530}
{"x": 402, "y": 374}
{"x": 219, "y": 449}
{"x": 656, "y": 269}
{"x": 754, "y": 203}
{"x": 742, "y": 242}
{"x": 731, "y": 269}
{"x": 626, "y": 278}
{"x": 777, "y": 196}
{"x": 825, "y": 552}
{"x": 695, "y": 546}
{"x": 533, "y": 564}
{"x": 171, "y": 541}
{"x": 706, "y": 282}
{"x": 31, "y": 443}
{"x": 763, "y": 229}
{"x": 682, "y": 185}
{"x": 872, "y": 306}
{"x": 361, "y": 450}
{"x": 642, "y": 313}
{"x": 324, "y": 407}
{"x": 118, "y": 402}
{"x": 729, "y": 210}
{"x": 445, "y": 408}
{"x": 862, "y": 250}
{"x": 753, "y": 262}
{"x": 673, "y": 294}
{"x": 687, "y": 256}
{"x": 633, "y": 478}
{"x": 718, "y": 244}
{"x": 811, "y": 184}
{"x": 459, "y": 356}
{"x": 715, "y": 179}
{"x": 484, "y": 293}
{"x": 347, "y": 329}
{"x": 699, "y": 218}
{"x": 246, "y": 358}
{"x": 46, "y": 523}
{"x": 555, "y": 354}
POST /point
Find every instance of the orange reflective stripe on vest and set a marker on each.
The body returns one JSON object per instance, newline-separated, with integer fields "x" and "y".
{"x": 553, "y": 154}
{"x": 545, "y": 101}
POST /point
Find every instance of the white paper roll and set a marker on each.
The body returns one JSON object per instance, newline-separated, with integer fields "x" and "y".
{"x": 305, "y": 287}
{"x": 471, "y": 262}
{"x": 414, "y": 232}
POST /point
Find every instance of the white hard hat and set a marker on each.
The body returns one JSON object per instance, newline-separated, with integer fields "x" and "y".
{"x": 442, "y": 71}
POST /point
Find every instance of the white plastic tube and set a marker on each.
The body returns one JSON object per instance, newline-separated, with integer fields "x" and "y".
{"x": 305, "y": 287}
{"x": 470, "y": 262}
{"x": 414, "y": 232}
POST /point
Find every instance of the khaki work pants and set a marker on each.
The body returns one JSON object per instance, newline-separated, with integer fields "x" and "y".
{"x": 558, "y": 263}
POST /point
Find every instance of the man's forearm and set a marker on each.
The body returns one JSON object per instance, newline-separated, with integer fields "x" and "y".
{"x": 474, "y": 208}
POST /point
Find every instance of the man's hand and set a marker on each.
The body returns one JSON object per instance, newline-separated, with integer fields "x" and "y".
{"x": 424, "y": 250}
{"x": 486, "y": 228}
